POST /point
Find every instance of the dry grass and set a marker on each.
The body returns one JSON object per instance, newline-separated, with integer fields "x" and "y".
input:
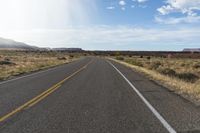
{"x": 181, "y": 81}
{"x": 14, "y": 63}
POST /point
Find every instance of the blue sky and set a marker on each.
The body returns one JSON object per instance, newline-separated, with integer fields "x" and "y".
{"x": 134, "y": 14}
{"x": 103, "y": 24}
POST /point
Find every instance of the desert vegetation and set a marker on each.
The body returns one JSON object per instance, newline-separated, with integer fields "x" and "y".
{"x": 13, "y": 63}
{"x": 180, "y": 74}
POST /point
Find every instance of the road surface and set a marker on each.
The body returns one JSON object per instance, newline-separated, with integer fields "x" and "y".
{"x": 93, "y": 95}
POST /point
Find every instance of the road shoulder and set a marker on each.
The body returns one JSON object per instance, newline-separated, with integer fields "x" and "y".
{"x": 179, "y": 112}
{"x": 157, "y": 78}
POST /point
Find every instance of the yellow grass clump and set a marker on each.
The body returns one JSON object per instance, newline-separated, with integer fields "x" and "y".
{"x": 14, "y": 63}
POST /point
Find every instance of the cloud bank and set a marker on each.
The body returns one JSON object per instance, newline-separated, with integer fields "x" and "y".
{"x": 110, "y": 38}
{"x": 188, "y": 8}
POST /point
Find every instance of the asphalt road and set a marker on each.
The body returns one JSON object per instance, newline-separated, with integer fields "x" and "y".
{"x": 93, "y": 95}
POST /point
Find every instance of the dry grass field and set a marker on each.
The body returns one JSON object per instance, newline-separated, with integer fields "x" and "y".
{"x": 13, "y": 63}
{"x": 182, "y": 75}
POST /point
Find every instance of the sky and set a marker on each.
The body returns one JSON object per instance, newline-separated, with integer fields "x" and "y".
{"x": 103, "y": 24}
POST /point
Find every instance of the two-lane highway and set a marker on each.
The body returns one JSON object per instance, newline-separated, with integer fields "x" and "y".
{"x": 92, "y": 96}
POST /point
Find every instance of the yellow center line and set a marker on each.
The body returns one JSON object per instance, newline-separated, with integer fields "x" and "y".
{"x": 44, "y": 96}
{"x": 41, "y": 96}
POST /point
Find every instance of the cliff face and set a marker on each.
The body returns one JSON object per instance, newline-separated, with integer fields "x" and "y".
{"x": 191, "y": 50}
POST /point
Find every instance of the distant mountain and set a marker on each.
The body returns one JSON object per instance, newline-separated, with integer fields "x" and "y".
{"x": 191, "y": 50}
{"x": 11, "y": 44}
{"x": 8, "y": 44}
{"x": 68, "y": 49}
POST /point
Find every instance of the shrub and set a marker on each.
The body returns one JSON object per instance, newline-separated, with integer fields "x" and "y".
{"x": 189, "y": 77}
{"x": 182, "y": 64}
{"x": 197, "y": 65}
{"x": 141, "y": 56}
{"x": 167, "y": 71}
{"x": 155, "y": 65}
{"x": 5, "y": 62}
{"x": 71, "y": 56}
{"x": 119, "y": 58}
{"x": 148, "y": 58}
{"x": 6, "y": 59}
{"x": 117, "y": 53}
{"x": 61, "y": 58}
{"x": 136, "y": 63}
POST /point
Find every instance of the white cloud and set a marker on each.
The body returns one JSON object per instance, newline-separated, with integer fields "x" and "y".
{"x": 110, "y": 8}
{"x": 188, "y": 8}
{"x": 164, "y": 10}
{"x": 173, "y": 20}
{"x": 122, "y": 3}
{"x": 113, "y": 37}
{"x": 184, "y": 6}
{"x": 123, "y": 8}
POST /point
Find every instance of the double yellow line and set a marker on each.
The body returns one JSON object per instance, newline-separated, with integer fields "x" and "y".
{"x": 41, "y": 96}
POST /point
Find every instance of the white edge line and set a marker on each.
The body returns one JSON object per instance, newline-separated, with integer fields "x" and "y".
{"x": 153, "y": 110}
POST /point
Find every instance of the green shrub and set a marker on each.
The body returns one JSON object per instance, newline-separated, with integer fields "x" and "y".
{"x": 6, "y": 59}
{"x": 5, "y": 62}
{"x": 135, "y": 62}
{"x": 197, "y": 65}
{"x": 189, "y": 77}
{"x": 119, "y": 58}
{"x": 148, "y": 58}
{"x": 61, "y": 58}
{"x": 117, "y": 53}
{"x": 167, "y": 71}
{"x": 182, "y": 64}
{"x": 155, "y": 65}
{"x": 71, "y": 56}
